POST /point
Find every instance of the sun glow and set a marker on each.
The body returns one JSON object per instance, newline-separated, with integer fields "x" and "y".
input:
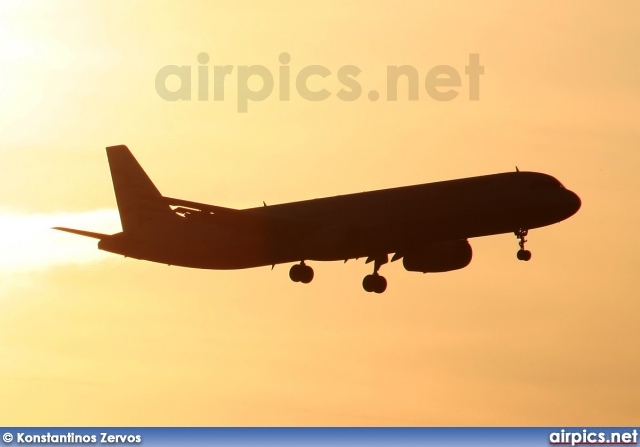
{"x": 29, "y": 243}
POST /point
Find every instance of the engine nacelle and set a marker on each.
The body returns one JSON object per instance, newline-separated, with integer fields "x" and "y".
{"x": 439, "y": 257}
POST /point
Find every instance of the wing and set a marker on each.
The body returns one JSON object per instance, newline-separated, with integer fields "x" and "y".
{"x": 255, "y": 217}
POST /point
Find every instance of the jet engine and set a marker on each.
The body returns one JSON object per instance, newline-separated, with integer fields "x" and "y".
{"x": 439, "y": 257}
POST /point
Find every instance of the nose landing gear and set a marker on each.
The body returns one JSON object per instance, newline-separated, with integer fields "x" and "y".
{"x": 301, "y": 273}
{"x": 523, "y": 255}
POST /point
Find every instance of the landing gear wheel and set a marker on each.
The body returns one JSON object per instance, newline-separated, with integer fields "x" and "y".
{"x": 295, "y": 273}
{"x": 380, "y": 284}
{"x": 374, "y": 283}
{"x": 301, "y": 273}
{"x": 368, "y": 283}
{"x": 524, "y": 255}
{"x": 307, "y": 274}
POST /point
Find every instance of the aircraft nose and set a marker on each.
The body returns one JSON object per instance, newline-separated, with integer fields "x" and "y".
{"x": 573, "y": 202}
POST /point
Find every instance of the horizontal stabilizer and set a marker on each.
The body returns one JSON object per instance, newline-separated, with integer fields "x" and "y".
{"x": 83, "y": 233}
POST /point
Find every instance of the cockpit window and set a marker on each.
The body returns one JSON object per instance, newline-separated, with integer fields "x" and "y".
{"x": 546, "y": 183}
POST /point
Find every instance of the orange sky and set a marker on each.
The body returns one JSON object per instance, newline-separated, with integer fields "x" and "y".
{"x": 89, "y": 338}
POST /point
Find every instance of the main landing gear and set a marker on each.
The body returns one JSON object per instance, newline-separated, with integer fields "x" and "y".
{"x": 523, "y": 255}
{"x": 375, "y": 282}
{"x": 301, "y": 273}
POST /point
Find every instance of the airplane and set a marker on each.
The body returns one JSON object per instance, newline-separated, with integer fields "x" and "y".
{"x": 427, "y": 225}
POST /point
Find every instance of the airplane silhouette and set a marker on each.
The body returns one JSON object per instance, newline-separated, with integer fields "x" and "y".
{"x": 427, "y": 226}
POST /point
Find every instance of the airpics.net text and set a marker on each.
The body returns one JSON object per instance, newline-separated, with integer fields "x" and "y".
{"x": 256, "y": 83}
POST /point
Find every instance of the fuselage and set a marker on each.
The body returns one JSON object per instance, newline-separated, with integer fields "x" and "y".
{"x": 397, "y": 220}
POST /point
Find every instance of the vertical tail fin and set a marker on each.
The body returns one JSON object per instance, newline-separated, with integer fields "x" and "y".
{"x": 139, "y": 201}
